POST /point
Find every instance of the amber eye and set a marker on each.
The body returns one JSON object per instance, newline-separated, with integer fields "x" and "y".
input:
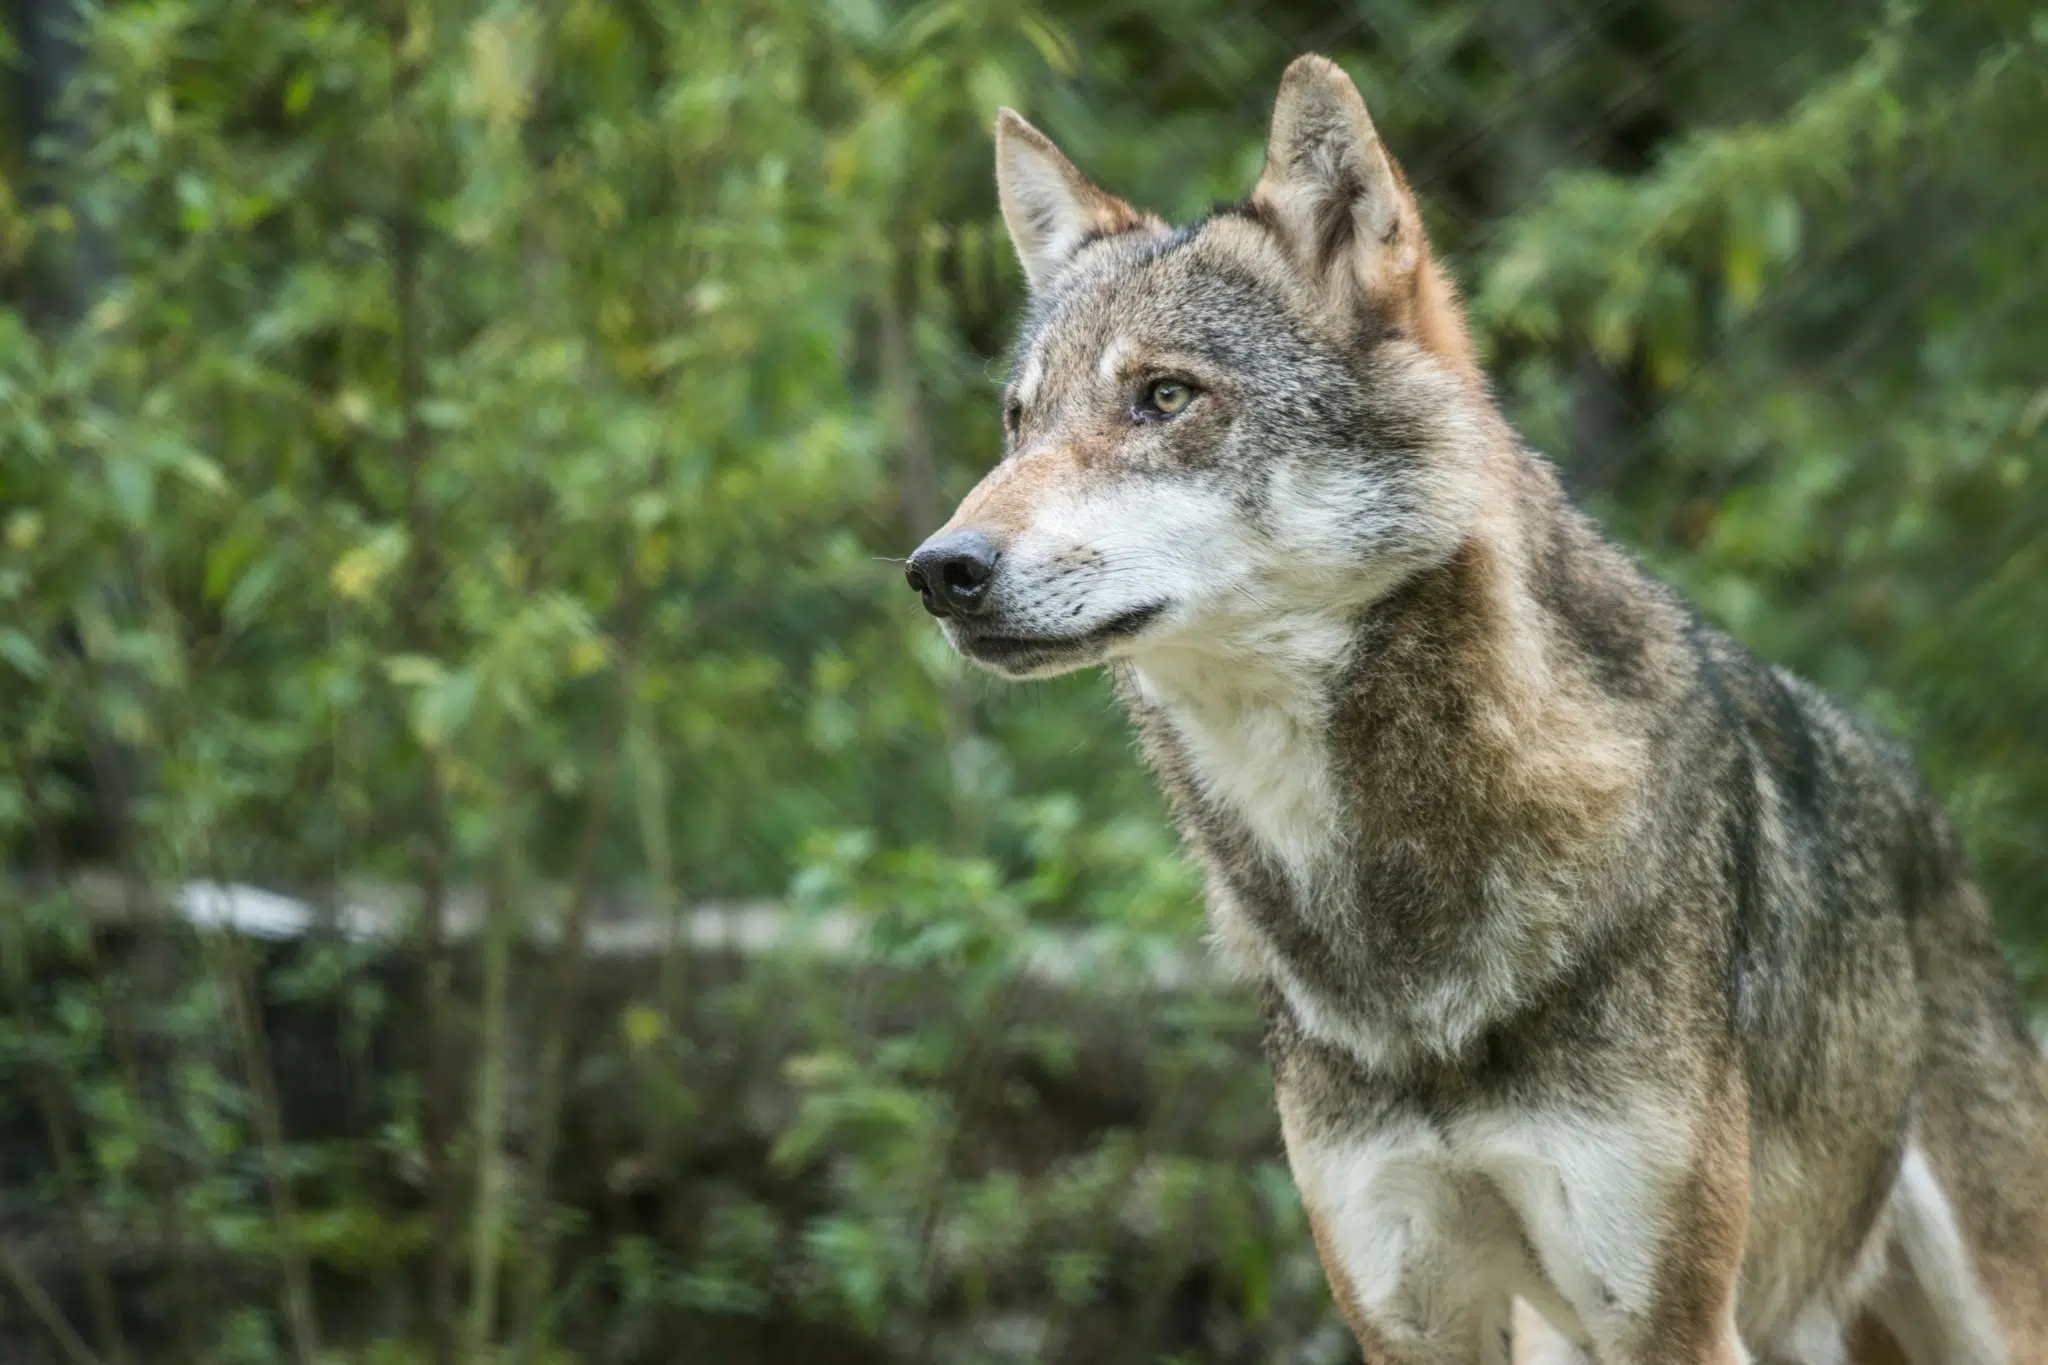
{"x": 1166, "y": 397}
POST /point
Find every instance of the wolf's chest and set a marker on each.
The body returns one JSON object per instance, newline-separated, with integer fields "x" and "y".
{"x": 1383, "y": 945}
{"x": 1262, "y": 792}
{"x": 1436, "y": 1224}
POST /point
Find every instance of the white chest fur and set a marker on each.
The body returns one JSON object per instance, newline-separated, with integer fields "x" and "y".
{"x": 1252, "y": 713}
{"x": 1269, "y": 766}
{"x": 1437, "y": 1229}
{"x": 1256, "y": 741}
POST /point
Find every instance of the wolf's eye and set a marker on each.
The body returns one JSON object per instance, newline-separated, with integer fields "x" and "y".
{"x": 1013, "y": 415}
{"x": 1165, "y": 398}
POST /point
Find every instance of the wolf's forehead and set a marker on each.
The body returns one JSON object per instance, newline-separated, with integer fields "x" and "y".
{"x": 1157, "y": 292}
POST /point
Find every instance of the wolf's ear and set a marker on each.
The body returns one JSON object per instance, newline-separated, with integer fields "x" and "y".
{"x": 1329, "y": 187}
{"x": 1050, "y": 207}
{"x": 1343, "y": 210}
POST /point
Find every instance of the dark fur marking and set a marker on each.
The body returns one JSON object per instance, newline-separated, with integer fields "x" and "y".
{"x": 1162, "y": 247}
{"x": 1249, "y": 209}
{"x": 1336, "y": 227}
{"x": 1741, "y": 871}
{"x": 1795, "y": 752}
{"x": 1597, "y": 615}
{"x": 1372, "y": 329}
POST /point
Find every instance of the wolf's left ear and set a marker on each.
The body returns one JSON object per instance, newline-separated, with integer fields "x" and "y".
{"x": 1050, "y": 207}
{"x": 1343, "y": 210}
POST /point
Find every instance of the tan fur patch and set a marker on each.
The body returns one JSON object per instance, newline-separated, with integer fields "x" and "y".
{"x": 1697, "y": 1302}
{"x": 1340, "y": 1286}
{"x": 1008, "y": 497}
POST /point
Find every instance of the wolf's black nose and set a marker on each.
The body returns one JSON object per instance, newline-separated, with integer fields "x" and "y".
{"x": 951, "y": 572}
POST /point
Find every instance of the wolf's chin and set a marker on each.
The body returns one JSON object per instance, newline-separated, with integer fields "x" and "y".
{"x": 1027, "y": 655}
{"x": 1031, "y": 670}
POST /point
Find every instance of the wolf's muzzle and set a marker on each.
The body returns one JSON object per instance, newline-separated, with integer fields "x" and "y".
{"x": 951, "y": 572}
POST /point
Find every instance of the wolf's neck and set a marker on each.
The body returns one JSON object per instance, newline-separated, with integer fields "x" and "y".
{"x": 1455, "y": 701}
{"x": 1413, "y": 817}
{"x": 1252, "y": 716}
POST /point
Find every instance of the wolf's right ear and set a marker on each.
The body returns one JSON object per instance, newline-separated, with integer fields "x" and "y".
{"x": 1050, "y": 207}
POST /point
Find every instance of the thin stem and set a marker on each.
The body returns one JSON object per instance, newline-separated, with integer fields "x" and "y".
{"x": 566, "y": 985}
{"x": 298, "y": 1288}
{"x": 52, "y": 1101}
{"x": 488, "y": 1120}
{"x": 439, "y": 1121}
{"x": 438, "y": 1125}
{"x": 98, "y": 1285}
{"x": 40, "y": 1304}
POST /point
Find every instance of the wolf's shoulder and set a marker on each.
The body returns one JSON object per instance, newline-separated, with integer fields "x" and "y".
{"x": 1819, "y": 749}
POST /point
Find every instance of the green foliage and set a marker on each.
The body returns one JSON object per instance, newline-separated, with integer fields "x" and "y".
{"x": 462, "y": 449}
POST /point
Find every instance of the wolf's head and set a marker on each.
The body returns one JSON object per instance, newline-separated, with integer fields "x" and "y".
{"x": 1222, "y": 440}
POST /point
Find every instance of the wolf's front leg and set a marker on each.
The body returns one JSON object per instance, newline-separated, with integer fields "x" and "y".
{"x": 1450, "y": 1328}
{"x": 1637, "y": 1219}
{"x": 1417, "y": 1249}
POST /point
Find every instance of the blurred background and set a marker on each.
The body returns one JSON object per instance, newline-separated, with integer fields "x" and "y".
{"x": 496, "y": 865}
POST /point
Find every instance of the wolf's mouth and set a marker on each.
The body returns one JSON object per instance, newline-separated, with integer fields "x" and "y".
{"x": 1022, "y": 653}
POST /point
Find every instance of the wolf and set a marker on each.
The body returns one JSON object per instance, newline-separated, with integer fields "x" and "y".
{"x": 1608, "y": 971}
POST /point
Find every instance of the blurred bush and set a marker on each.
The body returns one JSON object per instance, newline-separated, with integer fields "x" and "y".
{"x": 462, "y": 447}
